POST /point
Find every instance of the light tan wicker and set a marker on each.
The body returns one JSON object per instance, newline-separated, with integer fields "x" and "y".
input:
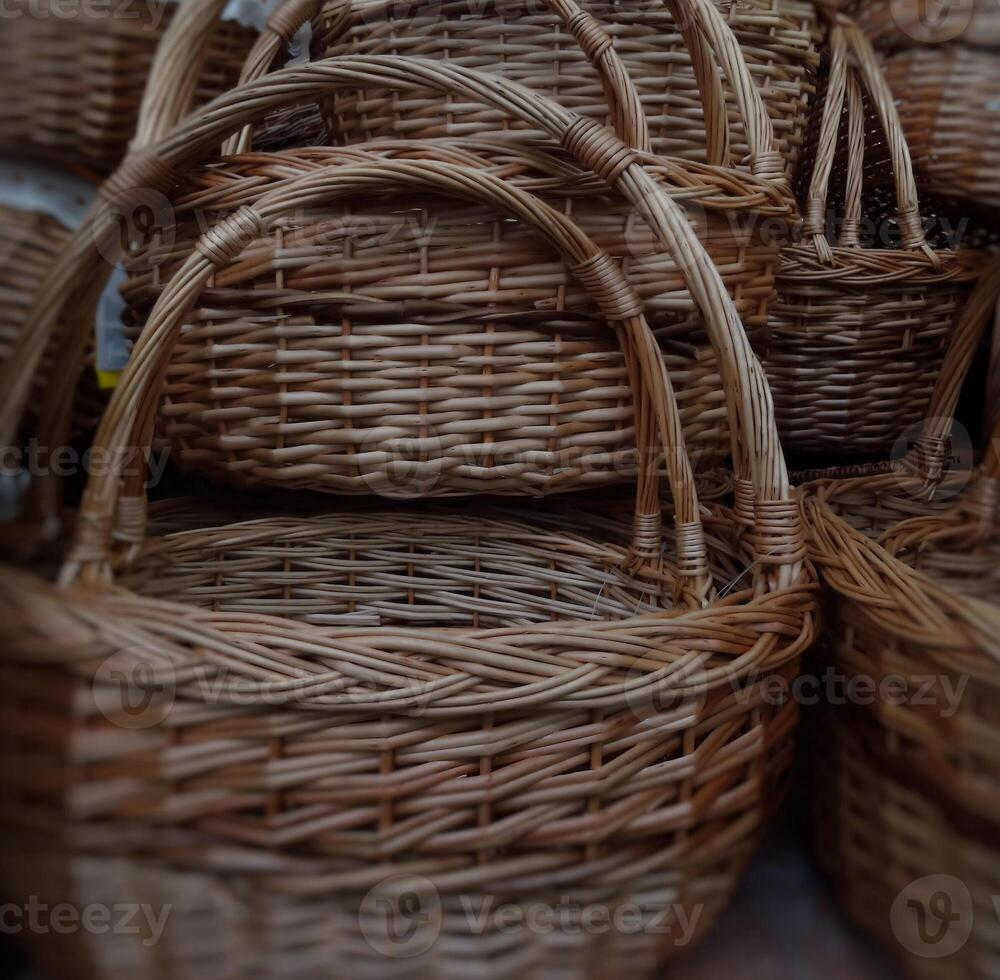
{"x": 595, "y": 147}
{"x": 913, "y": 580}
{"x": 857, "y": 333}
{"x": 498, "y": 708}
{"x": 73, "y": 84}
{"x": 949, "y": 111}
{"x": 430, "y": 346}
{"x": 531, "y": 44}
{"x": 894, "y": 24}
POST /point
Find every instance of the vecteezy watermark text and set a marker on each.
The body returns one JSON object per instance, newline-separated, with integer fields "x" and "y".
{"x": 123, "y": 919}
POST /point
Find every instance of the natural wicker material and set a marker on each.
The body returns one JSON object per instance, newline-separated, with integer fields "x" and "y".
{"x": 73, "y": 85}
{"x": 947, "y": 105}
{"x": 893, "y": 24}
{"x": 877, "y": 833}
{"x": 471, "y": 379}
{"x": 79, "y": 272}
{"x": 530, "y": 45}
{"x": 29, "y": 243}
{"x": 485, "y": 733}
{"x": 857, "y": 334}
{"x": 918, "y": 599}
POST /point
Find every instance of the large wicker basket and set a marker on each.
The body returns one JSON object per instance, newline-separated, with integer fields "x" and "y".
{"x": 912, "y": 564}
{"x": 487, "y": 708}
{"x": 530, "y": 44}
{"x": 857, "y": 333}
{"x": 424, "y": 346}
{"x": 596, "y": 148}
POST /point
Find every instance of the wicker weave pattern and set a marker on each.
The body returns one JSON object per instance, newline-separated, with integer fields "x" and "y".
{"x": 949, "y": 113}
{"x": 74, "y": 85}
{"x": 527, "y": 44}
{"x": 326, "y": 357}
{"x": 877, "y": 834}
{"x": 858, "y": 334}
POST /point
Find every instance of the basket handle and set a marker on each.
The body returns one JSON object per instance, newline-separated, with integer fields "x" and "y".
{"x": 845, "y": 38}
{"x": 765, "y": 159}
{"x": 281, "y": 28}
{"x": 928, "y": 456}
{"x": 173, "y": 77}
{"x": 656, "y": 408}
{"x": 767, "y": 503}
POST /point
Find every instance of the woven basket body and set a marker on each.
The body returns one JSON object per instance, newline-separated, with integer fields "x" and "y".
{"x": 496, "y": 706}
{"x": 74, "y": 84}
{"x": 859, "y": 329}
{"x": 851, "y": 357}
{"x": 951, "y": 117}
{"x": 29, "y": 242}
{"x": 423, "y": 346}
{"x": 527, "y": 43}
{"x": 911, "y": 780}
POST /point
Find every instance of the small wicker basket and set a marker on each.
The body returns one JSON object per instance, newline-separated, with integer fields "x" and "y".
{"x": 857, "y": 334}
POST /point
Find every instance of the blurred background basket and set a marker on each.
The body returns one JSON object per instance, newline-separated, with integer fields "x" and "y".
{"x": 74, "y": 82}
{"x": 530, "y": 44}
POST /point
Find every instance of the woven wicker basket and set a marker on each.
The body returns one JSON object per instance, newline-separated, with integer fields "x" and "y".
{"x": 949, "y": 111}
{"x": 892, "y": 24}
{"x": 492, "y": 708}
{"x": 74, "y": 85}
{"x": 595, "y": 147}
{"x": 857, "y": 334}
{"x": 529, "y": 43}
{"x": 494, "y": 374}
{"x": 912, "y": 565}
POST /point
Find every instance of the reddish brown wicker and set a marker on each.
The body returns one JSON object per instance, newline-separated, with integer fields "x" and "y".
{"x": 857, "y": 333}
{"x": 913, "y": 577}
{"x": 534, "y": 46}
{"x": 73, "y": 85}
{"x": 467, "y": 706}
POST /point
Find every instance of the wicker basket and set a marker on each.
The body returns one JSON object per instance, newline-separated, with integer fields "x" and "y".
{"x": 892, "y": 24}
{"x": 912, "y": 565}
{"x": 530, "y": 44}
{"x": 492, "y": 375}
{"x": 493, "y": 709}
{"x": 596, "y": 148}
{"x": 949, "y": 112}
{"x": 857, "y": 334}
{"x": 74, "y": 85}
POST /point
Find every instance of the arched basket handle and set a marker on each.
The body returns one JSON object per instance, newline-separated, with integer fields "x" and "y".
{"x": 758, "y": 463}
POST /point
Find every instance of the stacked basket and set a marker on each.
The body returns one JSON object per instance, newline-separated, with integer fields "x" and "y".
{"x": 859, "y": 329}
{"x": 373, "y": 719}
{"x": 906, "y": 811}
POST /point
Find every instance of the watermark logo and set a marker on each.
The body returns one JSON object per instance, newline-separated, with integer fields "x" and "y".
{"x": 134, "y": 691}
{"x": 945, "y": 471}
{"x": 932, "y": 21}
{"x": 400, "y": 917}
{"x": 933, "y": 916}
